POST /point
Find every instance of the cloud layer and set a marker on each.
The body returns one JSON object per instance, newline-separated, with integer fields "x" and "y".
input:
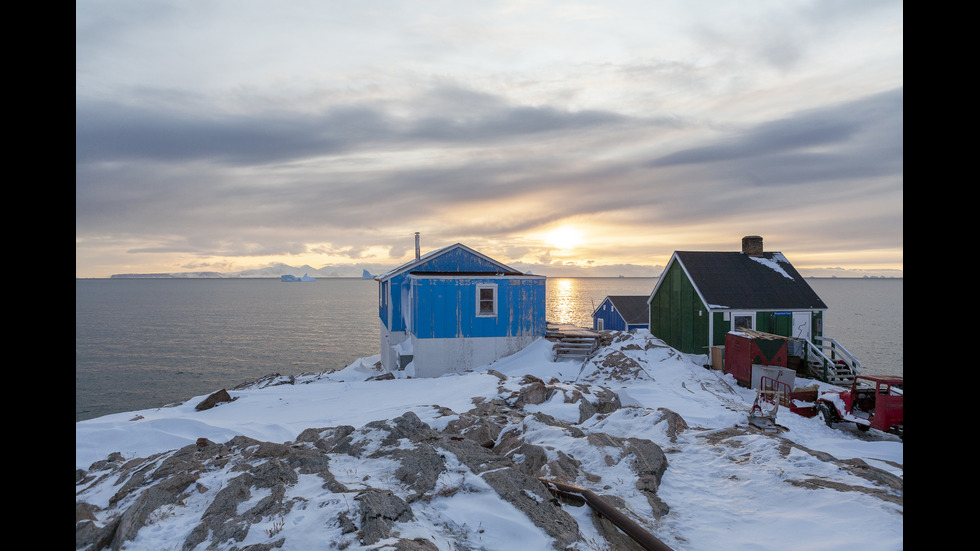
{"x": 229, "y": 135}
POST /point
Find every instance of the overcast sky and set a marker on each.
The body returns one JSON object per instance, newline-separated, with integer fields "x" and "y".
{"x": 227, "y": 135}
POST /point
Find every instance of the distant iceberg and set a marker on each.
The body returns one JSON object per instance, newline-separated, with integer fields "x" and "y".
{"x": 367, "y": 275}
{"x": 306, "y": 277}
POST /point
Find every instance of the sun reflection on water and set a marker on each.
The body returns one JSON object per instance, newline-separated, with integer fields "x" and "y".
{"x": 573, "y": 299}
{"x": 561, "y": 306}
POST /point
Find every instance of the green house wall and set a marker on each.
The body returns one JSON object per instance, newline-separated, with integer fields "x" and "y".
{"x": 720, "y": 328}
{"x": 775, "y": 323}
{"x": 767, "y": 321}
{"x": 679, "y": 318}
{"x": 677, "y": 315}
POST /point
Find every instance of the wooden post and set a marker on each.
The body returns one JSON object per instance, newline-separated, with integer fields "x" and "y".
{"x": 645, "y": 539}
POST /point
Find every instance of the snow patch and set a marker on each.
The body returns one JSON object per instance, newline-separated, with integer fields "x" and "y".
{"x": 774, "y": 264}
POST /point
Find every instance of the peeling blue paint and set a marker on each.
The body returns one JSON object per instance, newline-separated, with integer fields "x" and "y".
{"x": 443, "y": 307}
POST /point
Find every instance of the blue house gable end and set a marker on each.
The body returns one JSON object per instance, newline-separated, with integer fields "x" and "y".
{"x": 606, "y": 318}
{"x": 456, "y": 258}
{"x": 390, "y": 302}
{"x": 622, "y": 313}
{"x": 461, "y": 260}
{"x": 383, "y": 302}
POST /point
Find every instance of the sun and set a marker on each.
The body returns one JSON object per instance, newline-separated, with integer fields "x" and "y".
{"x": 564, "y": 237}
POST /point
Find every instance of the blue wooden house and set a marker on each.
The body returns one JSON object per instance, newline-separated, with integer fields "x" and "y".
{"x": 454, "y": 309}
{"x": 622, "y": 313}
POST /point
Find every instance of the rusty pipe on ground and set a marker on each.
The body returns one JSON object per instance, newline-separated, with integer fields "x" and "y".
{"x": 645, "y": 539}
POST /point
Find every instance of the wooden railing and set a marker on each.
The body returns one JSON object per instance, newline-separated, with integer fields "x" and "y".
{"x": 831, "y": 362}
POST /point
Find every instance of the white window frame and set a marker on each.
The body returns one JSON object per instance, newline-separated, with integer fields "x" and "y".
{"x": 479, "y": 291}
{"x": 750, "y": 315}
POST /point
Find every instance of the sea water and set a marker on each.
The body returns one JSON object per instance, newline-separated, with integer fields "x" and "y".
{"x": 144, "y": 343}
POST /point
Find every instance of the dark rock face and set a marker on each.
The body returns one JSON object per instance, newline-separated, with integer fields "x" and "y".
{"x": 213, "y": 400}
{"x": 380, "y": 510}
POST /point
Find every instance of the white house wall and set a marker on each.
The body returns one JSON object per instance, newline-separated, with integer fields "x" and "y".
{"x": 390, "y": 341}
{"x": 437, "y": 357}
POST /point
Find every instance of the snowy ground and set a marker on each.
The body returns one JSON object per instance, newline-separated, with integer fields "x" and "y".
{"x": 727, "y": 487}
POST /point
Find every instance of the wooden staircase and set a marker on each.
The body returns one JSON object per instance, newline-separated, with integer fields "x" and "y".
{"x": 831, "y": 363}
{"x": 572, "y": 342}
{"x": 840, "y": 374}
{"x": 575, "y": 348}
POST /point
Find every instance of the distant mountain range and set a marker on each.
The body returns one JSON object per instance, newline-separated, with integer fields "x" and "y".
{"x": 358, "y": 270}
{"x": 368, "y": 271}
{"x": 275, "y": 271}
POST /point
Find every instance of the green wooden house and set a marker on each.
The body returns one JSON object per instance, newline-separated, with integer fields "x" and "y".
{"x": 701, "y": 296}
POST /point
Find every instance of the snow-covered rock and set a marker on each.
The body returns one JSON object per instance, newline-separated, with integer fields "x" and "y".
{"x": 350, "y": 460}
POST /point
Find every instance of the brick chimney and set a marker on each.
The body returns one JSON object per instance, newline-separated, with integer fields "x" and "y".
{"x": 752, "y": 245}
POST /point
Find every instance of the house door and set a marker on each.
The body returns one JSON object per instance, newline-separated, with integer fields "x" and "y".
{"x": 801, "y": 325}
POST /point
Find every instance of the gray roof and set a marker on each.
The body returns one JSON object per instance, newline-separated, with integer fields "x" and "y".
{"x": 734, "y": 280}
{"x": 633, "y": 309}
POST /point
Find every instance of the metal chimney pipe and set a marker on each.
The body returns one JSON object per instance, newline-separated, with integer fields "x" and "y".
{"x": 418, "y": 251}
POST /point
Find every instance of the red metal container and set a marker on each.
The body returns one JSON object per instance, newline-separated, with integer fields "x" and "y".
{"x": 744, "y": 348}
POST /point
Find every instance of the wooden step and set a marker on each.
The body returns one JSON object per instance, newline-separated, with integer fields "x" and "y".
{"x": 575, "y": 348}
{"x": 572, "y": 342}
{"x": 585, "y": 345}
{"x": 836, "y": 375}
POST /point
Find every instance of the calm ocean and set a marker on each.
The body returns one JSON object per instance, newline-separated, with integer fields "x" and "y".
{"x": 143, "y": 343}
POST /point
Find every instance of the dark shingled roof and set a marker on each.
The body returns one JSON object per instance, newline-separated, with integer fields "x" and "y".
{"x": 633, "y": 309}
{"x": 737, "y": 280}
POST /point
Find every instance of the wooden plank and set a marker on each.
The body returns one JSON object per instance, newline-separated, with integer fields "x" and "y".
{"x": 568, "y": 330}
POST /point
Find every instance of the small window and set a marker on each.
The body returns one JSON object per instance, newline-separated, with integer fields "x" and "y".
{"x": 486, "y": 300}
{"x": 742, "y": 322}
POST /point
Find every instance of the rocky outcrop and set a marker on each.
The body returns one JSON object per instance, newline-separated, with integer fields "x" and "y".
{"x": 496, "y": 445}
{"x": 380, "y": 511}
{"x": 213, "y": 400}
{"x": 401, "y": 483}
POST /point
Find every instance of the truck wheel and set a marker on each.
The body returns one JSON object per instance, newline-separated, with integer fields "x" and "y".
{"x": 824, "y": 412}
